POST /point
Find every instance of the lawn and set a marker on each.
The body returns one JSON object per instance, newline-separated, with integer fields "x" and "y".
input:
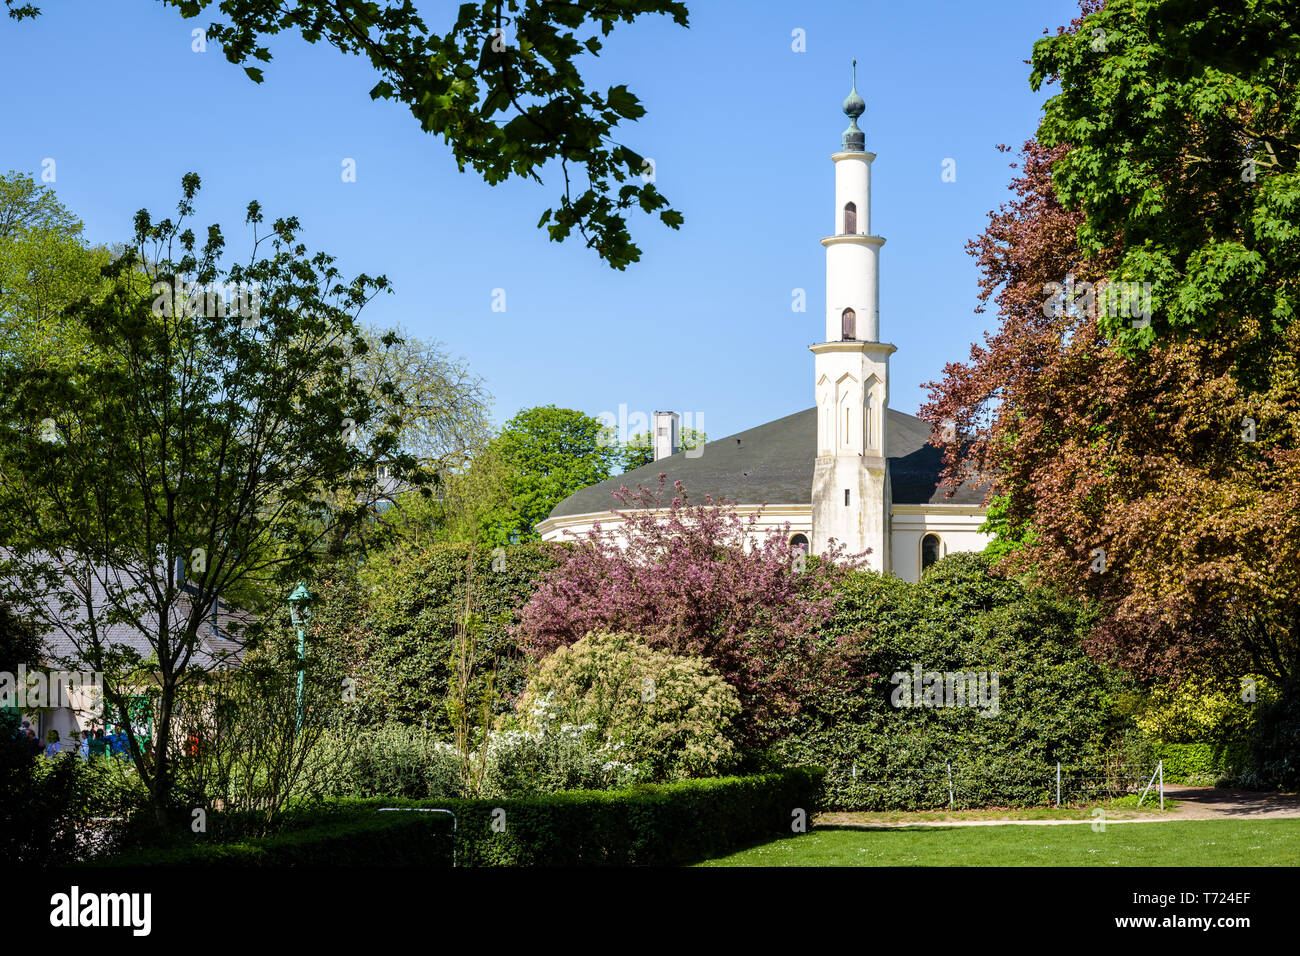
{"x": 1177, "y": 843}
{"x": 1119, "y": 808}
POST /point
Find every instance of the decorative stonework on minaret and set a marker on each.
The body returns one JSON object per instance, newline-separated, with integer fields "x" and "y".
{"x": 850, "y": 495}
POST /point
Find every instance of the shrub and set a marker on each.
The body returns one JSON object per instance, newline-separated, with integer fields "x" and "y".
{"x": 665, "y": 824}
{"x": 405, "y": 671}
{"x": 247, "y": 739}
{"x": 686, "y": 578}
{"x": 673, "y": 716}
{"x": 554, "y": 758}
{"x": 1053, "y": 702}
{"x": 45, "y": 804}
{"x": 396, "y": 761}
{"x": 1275, "y": 745}
{"x": 392, "y": 760}
{"x": 387, "y": 839}
{"x": 1203, "y": 764}
{"x": 1200, "y": 710}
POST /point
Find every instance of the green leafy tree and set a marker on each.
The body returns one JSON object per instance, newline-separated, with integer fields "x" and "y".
{"x": 549, "y": 453}
{"x": 461, "y": 506}
{"x": 1181, "y": 118}
{"x": 414, "y": 601}
{"x": 504, "y": 87}
{"x": 45, "y": 266}
{"x": 210, "y": 454}
{"x": 1051, "y": 701}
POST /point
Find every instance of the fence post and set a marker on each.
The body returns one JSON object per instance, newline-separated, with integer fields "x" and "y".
{"x": 1160, "y": 772}
{"x": 950, "y": 794}
{"x": 1058, "y": 784}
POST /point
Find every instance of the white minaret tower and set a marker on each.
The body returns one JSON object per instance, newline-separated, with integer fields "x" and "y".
{"x": 850, "y": 494}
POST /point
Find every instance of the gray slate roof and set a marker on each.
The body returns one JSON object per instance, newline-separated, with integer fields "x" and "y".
{"x": 219, "y": 634}
{"x": 773, "y": 464}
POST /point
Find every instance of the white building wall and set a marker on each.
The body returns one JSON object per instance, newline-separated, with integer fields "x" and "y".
{"x": 770, "y": 521}
{"x": 957, "y": 527}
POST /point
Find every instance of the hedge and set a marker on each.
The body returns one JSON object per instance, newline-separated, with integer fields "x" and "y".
{"x": 387, "y": 839}
{"x": 647, "y": 825}
{"x": 1206, "y": 762}
{"x": 411, "y": 622}
{"x": 1054, "y": 703}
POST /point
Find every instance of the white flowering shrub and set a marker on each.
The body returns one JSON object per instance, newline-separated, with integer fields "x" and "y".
{"x": 552, "y": 757}
{"x": 670, "y": 716}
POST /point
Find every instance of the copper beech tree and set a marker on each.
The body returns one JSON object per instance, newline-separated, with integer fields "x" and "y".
{"x": 1162, "y": 482}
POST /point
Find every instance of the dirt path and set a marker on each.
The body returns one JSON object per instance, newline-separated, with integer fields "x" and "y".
{"x": 1195, "y": 803}
{"x": 1211, "y": 803}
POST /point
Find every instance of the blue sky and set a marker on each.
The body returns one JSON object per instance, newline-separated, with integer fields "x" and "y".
{"x": 740, "y": 126}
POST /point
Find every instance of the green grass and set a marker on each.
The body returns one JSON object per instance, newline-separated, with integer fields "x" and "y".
{"x": 1177, "y": 843}
{"x": 1119, "y": 808}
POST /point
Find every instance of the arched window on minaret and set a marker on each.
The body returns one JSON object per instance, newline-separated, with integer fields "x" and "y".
{"x": 848, "y": 325}
{"x": 930, "y": 550}
{"x": 850, "y": 219}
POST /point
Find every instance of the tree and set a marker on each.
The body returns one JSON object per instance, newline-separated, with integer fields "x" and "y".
{"x": 414, "y": 601}
{"x": 1044, "y": 699}
{"x": 639, "y": 449}
{"x": 464, "y": 505}
{"x": 1181, "y": 122}
{"x": 1161, "y": 482}
{"x": 210, "y": 454}
{"x": 692, "y": 584}
{"x": 20, "y": 643}
{"x": 44, "y": 267}
{"x": 503, "y": 87}
{"x": 444, "y": 406}
{"x": 548, "y": 453}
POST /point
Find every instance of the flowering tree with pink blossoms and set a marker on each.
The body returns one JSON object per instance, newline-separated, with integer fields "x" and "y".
{"x": 702, "y": 580}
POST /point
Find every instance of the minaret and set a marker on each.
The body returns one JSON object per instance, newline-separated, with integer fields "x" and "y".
{"x": 850, "y": 494}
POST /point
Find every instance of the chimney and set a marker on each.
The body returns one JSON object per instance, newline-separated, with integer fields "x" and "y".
{"x": 666, "y": 435}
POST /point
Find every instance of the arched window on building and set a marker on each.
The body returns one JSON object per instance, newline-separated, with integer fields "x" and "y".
{"x": 931, "y": 550}
{"x": 848, "y": 325}
{"x": 850, "y": 219}
{"x": 799, "y": 543}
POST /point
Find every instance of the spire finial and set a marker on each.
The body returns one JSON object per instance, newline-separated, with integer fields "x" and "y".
{"x": 854, "y": 106}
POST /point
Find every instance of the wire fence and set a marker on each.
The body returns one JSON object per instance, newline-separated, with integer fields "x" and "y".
{"x": 969, "y": 786}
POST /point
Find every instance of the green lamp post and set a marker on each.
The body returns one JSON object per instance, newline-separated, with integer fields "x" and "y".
{"x": 300, "y": 614}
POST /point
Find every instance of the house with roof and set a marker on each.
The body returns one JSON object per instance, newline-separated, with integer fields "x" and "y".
{"x": 100, "y": 594}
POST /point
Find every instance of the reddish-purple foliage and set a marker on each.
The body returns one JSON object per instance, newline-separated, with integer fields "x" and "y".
{"x": 696, "y": 579}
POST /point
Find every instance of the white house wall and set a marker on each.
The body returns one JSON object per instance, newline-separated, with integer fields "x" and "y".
{"x": 771, "y": 520}
{"x": 956, "y": 525}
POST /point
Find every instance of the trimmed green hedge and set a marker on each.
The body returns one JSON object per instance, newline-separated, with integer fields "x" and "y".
{"x": 384, "y": 839}
{"x": 647, "y": 825}
{"x": 1203, "y": 763}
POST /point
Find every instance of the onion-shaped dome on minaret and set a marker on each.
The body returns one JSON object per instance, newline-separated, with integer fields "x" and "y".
{"x": 855, "y": 141}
